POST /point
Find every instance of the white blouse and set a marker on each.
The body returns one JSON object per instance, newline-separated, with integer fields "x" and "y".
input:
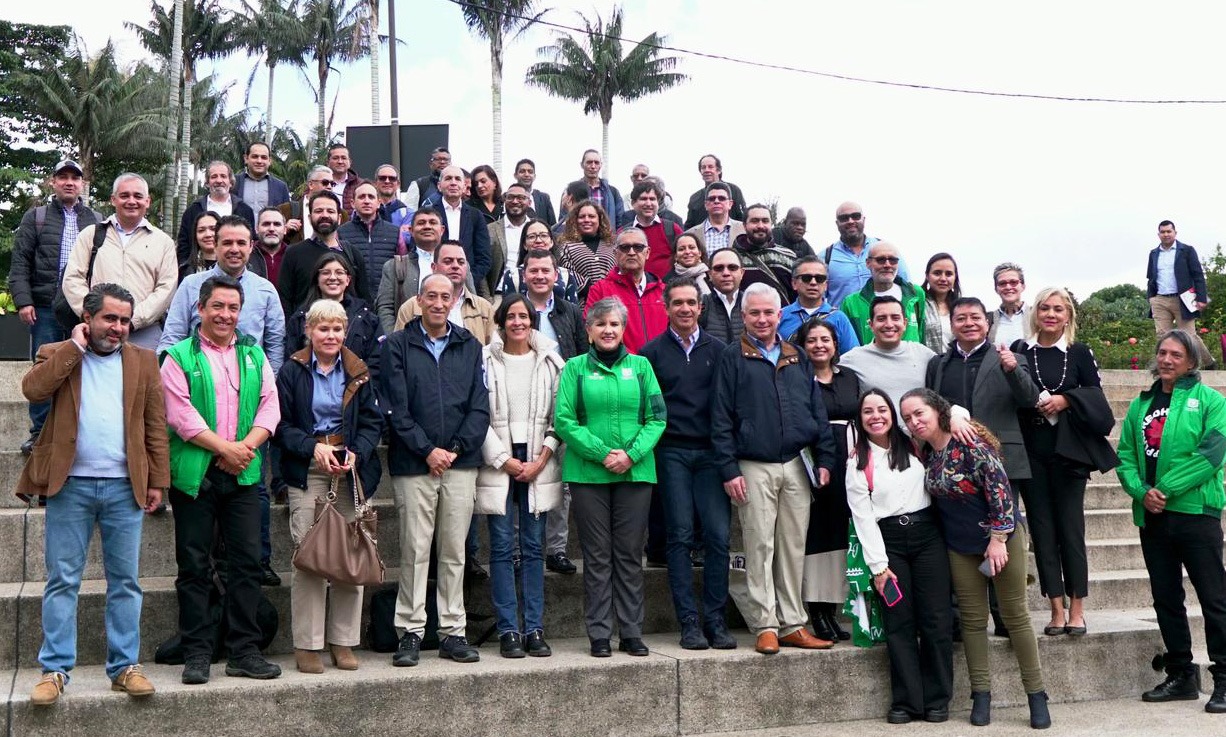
{"x": 894, "y": 493}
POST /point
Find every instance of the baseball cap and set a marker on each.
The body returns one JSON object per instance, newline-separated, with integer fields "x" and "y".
{"x": 69, "y": 164}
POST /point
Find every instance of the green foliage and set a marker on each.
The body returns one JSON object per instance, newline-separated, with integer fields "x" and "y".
{"x": 25, "y": 132}
{"x": 1108, "y": 319}
{"x": 1213, "y": 316}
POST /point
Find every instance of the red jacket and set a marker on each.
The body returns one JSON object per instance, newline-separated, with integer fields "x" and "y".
{"x": 661, "y": 235}
{"x": 647, "y": 317}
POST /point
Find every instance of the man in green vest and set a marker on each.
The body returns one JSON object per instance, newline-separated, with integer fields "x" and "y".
{"x": 883, "y": 262}
{"x": 221, "y": 405}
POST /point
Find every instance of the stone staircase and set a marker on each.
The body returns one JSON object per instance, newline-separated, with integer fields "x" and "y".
{"x": 671, "y": 692}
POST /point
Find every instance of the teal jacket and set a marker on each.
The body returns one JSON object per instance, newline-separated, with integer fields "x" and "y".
{"x": 914, "y": 305}
{"x": 1193, "y": 449}
{"x": 604, "y": 408}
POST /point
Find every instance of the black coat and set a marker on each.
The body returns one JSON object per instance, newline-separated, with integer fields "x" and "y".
{"x": 567, "y": 322}
{"x": 716, "y": 320}
{"x": 1081, "y": 433}
{"x": 696, "y": 208}
{"x": 433, "y": 404}
{"x": 361, "y": 422}
{"x": 363, "y": 334}
{"x": 34, "y": 277}
{"x": 829, "y": 513}
{"x": 298, "y": 270}
{"x": 184, "y": 245}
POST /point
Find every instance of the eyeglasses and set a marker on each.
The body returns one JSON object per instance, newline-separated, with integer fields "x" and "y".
{"x": 812, "y": 278}
{"x": 537, "y": 237}
{"x": 883, "y": 260}
{"x": 385, "y": 178}
{"x": 849, "y": 216}
{"x": 717, "y": 198}
{"x": 515, "y": 197}
{"x": 636, "y": 247}
{"x": 726, "y": 267}
{"x": 1009, "y": 283}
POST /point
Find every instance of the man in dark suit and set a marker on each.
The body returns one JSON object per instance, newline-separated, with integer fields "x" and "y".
{"x": 255, "y": 185}
{"x": 525, "y": 174}
{"x": 1174, "y": 269}
{"x": 464, "y": 223}
{"x": 712, "y": 170}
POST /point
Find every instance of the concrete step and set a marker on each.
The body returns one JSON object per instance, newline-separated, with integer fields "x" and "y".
{"x": 1106, "y": 495}
{"x": 670, "y": 692}
{"x": 1114, "y": 589}
{"x": 1109, "y": 523}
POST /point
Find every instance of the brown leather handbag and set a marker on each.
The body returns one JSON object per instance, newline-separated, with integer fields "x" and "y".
{"x": 341, "y": 551}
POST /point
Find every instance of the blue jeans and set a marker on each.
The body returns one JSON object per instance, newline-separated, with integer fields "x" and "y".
{"x": 71, "y": 516}
{"x": 44, "y": 330}
{"x": 502, "y": 571}
{"x": 689, "y": 483}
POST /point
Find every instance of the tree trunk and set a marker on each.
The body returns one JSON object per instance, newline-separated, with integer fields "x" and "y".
{"x": 185, "y": 149}
{"x": 604, "y": 156}
{"x": 323, "y": 90}
{"x": 496, "y": 101}
{"x": 374, "y": 60}
{"x": 170, "y": 174}
{"x": 272, "y": 69}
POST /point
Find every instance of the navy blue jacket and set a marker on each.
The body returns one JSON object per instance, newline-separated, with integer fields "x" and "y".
{"x": 278, "y": 191}
{"x": 377, "y": 244}
{"x": 1188, "y": 275}
{"x": 474, "y": 235}
{"x": 361, "y": 422}
{"x": 433, "y": 404}
{"x": 363, "y": 334}
{"x": 686, "y": 384}
{"x": 768, "y": 413}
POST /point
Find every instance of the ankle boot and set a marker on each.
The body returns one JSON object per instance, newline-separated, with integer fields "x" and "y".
{"x": 308, "y": 661}
{"x": 821, "y": 627}
{"x": 1040, "y": 718}
{"x": 832, "y": 619}
{"x": 981, "y": 708}
{"x": 343, "y": 657}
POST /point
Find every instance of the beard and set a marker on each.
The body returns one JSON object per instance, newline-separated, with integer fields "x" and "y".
{"x": 324, "y": 226}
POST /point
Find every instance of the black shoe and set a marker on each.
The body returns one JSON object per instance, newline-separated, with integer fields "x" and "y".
{"x": 821, "y": 624}
{"x": 535, "y": 645}
{"x": 559, "y": 563}
{"x": 408, "y": 652}
{"x": 511, "y": 645}
{"x": 196, "y": 670}
{"x": 253, "y": 666}
{"x": 656, "y": 562}
{"x": 474, "y": 572}
{"x": 454, "y": 647}
{"x": 832, "y": 619}
{"x": 633, "y": 646}
{"x": 898, "y": 715}
{"x": 28, "y": 446}
{"x": 718, "y": 635}
{"x": 691, "y": 635}
{"x": 601, "y": 649}
{"x": 1217, "y": 702}
{"x": 1040, "y": 717}
{"x": 1184, "y": 686}
{"x": 269, "y": 577}
{"x": 981, "y": 708}
{"x": 936, "y": 715}
{"x": 517, "y": 561}
{"x": 697, "y": 558}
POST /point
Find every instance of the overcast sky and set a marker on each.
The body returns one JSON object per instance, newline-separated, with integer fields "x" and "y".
{"x": 1072, "y": 191}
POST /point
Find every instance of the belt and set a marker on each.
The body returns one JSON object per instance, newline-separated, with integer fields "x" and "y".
{"x": 331, "y": 439}
{"x": 902, "y": 520}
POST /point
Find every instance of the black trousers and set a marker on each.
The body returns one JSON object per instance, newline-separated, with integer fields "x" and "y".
{"x": 1171, "y": 542}
{"x": 1055, "y": 514}
{"x": 919, "y": 629}
{"x": 235, "y": 511}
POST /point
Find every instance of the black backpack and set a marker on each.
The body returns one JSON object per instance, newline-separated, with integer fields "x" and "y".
{"x": 64, "y": 314}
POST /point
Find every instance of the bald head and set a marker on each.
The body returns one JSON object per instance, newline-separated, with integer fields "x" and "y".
{"x": 883, "y": 263}
{"x": 451, "y": 184}
{"x": 849, "y": 218}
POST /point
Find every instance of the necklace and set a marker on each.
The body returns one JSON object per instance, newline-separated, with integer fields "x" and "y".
{"x": 1038, "y": 374}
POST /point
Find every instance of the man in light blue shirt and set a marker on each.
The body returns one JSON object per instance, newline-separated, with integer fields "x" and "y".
{"x": 809, "y": 283}
{"x": 847, "y": 258}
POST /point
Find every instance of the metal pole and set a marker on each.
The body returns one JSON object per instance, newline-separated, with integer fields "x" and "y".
{"x": 394, "y": 125}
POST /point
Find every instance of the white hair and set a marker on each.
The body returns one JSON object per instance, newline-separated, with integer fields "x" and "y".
{"x": 762, "y": 289}
{"x": 128, "y": 176}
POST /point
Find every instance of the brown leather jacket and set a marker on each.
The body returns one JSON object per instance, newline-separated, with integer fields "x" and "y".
{"x": 56, "y": 375}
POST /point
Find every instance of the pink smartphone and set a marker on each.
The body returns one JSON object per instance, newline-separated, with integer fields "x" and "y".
{"x": 891, "y": 593}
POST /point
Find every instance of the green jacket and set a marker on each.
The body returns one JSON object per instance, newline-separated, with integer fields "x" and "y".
{"x": 190, "y": 462}
{"x": 1193, "y": 449}
{"x": 856, "y": 305}
{"x": 602, "y": 408}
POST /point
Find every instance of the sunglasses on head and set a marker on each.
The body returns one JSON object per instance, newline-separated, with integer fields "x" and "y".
{"x": 812, "y": 278}
{"x": 849, "y": 216}
{"x": 636, "y": 247}
{"x": 883, "y": 260}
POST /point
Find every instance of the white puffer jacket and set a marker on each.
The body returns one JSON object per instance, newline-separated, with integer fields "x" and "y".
{"x": 493, "y": 484}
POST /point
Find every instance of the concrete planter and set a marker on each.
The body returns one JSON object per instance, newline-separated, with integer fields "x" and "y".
{"x": 14, "y": 338}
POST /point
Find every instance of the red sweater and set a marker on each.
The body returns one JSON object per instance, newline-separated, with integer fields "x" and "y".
{"x": 647, "y": 317}
{"x": 660, "y": 261}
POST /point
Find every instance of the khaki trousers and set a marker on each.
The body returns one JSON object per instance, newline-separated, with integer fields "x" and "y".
{"x": 774, "y": 521}
{"x": 310, "y": 604}
{"x": 433, "y": 508}
{"x": 1167, "y": 316}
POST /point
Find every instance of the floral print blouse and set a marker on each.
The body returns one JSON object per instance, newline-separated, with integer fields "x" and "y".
{"x": 972, "y": 494}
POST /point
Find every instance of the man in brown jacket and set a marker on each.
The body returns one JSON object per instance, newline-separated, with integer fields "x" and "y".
{"x": 101, "y": 459}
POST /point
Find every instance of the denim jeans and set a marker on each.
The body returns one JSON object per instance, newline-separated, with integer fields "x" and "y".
{"x": 689, "y": 482}
{"x": 532, "y": 572}
{"x": 71, "y": 516}
{"x": 44, "y": 330}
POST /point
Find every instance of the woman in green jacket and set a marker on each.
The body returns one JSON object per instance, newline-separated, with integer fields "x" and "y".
{"x": 611, "y": 414}
{"x": 1171, "y": 452}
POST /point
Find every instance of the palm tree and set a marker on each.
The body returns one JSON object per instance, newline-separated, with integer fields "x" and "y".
{"x": 208, "y": 33}
{"x": 273, "y": 29}
{"x": 496, "y": 21}
{"x": 371, "y": 32}
{"x": 174, "y": 119}
{"x": 335, "y": 30}
{"x": 593, "y": 71}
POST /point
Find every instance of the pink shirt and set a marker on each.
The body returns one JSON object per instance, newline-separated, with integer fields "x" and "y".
{"x": 187, "y": 422}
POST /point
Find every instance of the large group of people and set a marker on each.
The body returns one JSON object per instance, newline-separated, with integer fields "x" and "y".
{"x": 647, "y": 371}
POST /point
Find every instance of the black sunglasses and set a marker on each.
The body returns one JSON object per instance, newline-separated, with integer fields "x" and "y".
{"x": 847, "y": 216}
{"x": 883, "y": 260}
{"x": 812, "y": 278}
{"x": 636, "y": 247}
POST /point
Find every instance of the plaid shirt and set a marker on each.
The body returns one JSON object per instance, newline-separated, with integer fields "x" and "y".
{"x": 716, "y": 238}
{"x": 69, "y": 237}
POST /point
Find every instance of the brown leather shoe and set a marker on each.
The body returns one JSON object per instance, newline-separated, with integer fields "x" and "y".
{"x": 48, "y": 689}
{"x": 768, "y": 643}
{"x": 133, "y": 681}
{"x": 308, "y": 661}
{"x": 343, "y": 657}
{"x": 802, "y": 638}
